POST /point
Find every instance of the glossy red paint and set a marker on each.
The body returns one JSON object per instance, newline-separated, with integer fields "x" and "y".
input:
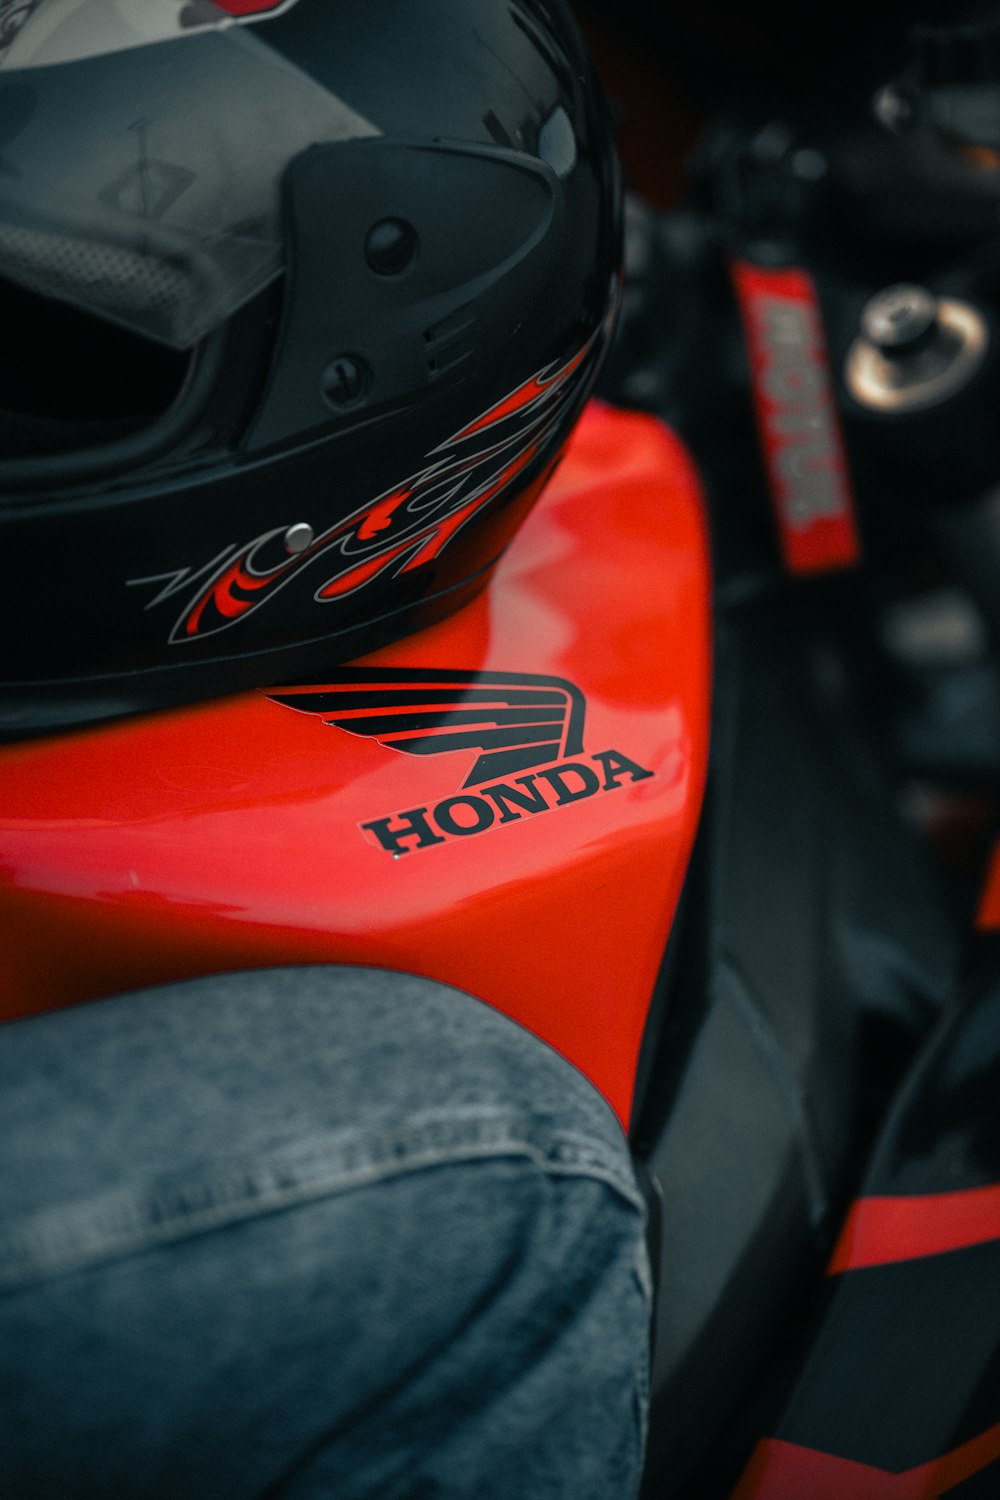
{"x": 881, "y": 1231}
{"x": 229, "y": 835}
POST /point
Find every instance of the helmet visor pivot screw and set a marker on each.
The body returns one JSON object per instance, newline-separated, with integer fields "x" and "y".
{"x": 390, "y": 246}
{"x": 346, "y": 381}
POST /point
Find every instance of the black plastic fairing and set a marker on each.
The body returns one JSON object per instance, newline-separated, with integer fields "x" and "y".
{"x": 814, "y": 954}
{"x": 904, "y": 1369}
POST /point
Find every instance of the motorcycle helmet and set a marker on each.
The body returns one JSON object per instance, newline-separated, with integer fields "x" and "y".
{"x": 301, "y": 300}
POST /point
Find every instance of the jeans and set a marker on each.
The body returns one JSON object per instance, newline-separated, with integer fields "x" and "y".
{"x": 313, "y": 1232}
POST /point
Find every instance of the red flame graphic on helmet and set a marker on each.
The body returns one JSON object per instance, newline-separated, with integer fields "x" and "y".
{"x": 405, "y": 527}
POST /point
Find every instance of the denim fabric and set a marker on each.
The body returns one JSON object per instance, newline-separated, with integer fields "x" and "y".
{"x": 313, "y": 1232}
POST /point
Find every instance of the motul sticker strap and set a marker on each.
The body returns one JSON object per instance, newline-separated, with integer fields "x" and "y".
{"x": 797, "y": 420}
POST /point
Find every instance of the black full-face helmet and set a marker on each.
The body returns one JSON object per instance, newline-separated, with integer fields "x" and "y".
{"x": 300, "y": 301}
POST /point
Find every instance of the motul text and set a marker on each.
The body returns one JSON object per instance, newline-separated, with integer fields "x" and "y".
{"x": 797, "y": 418}
{"x": 804, "y": 445}
{"x": 503, "y": 802}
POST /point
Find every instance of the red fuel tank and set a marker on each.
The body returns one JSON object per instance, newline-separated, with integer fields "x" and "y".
{"x": 505, "y": 802}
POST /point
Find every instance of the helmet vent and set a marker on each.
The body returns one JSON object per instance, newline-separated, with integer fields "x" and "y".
{"x": 451, "y": 341}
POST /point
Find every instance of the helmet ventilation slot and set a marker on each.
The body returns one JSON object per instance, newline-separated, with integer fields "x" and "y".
{"x": 451, "y": 341}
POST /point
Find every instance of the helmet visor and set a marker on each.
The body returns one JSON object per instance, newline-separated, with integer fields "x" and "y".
{"x": 142, "y": 148}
